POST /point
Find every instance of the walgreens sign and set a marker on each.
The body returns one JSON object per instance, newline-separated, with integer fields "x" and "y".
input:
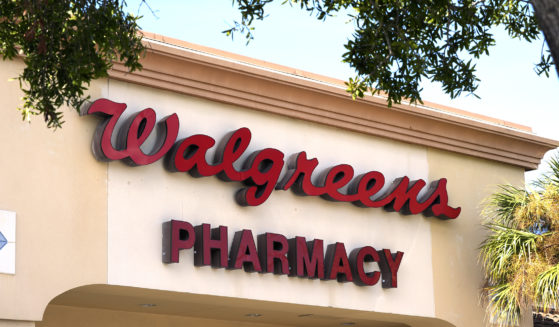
{"x": 261, "y": 171}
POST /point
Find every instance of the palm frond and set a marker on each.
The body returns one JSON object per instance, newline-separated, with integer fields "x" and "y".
{"x": 547, "y": 289}
{"x": 550, "y": 205}
{"x": 550, "y": 177}
{"x": 502, "y": 206}
{"x": 521, "y": 253}
{"x": 504, "y": 306}
{"x": 504, "y": 244}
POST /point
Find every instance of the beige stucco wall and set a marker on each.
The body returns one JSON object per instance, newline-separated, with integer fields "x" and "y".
{"x": 456, "y": 270}
{"x": 84, "y": 222}
{"x": 59, "y": 195}
{"x": 141, "y": 198}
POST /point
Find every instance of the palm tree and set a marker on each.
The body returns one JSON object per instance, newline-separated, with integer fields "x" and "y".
{"x": 520, "y": 256}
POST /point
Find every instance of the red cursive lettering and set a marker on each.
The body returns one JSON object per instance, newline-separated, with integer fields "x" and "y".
{"x": 260, "y": 171}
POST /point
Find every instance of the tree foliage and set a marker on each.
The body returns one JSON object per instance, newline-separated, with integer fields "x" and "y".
{"x": 521, "y": 254}
{"x": 397, "y": 43}
{"x": 65, "y": 44}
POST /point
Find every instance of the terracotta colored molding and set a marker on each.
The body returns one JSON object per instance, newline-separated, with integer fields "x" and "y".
{"x": 312, "y": 76}
{"x": 219, "y": 76}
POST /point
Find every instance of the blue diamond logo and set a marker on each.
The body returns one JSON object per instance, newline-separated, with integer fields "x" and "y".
{"x": 3, "y": 241}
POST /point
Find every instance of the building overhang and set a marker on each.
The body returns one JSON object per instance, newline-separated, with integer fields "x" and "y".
{"x": 193, "y": 70}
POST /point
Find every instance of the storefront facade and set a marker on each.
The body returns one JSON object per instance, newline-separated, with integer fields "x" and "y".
{"x": 93, "y": 228}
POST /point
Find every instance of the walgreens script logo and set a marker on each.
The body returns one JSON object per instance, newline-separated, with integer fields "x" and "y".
{"x": 261, "y": 170}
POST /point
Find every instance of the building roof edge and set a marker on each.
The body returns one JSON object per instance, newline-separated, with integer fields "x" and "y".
{"x": 217, "y": 75}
